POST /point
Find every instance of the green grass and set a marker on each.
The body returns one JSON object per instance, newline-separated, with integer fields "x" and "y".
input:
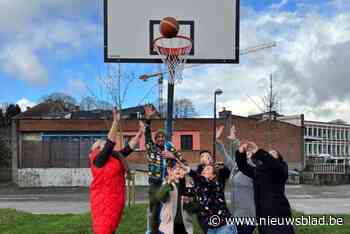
{"x": 133, "y": 222}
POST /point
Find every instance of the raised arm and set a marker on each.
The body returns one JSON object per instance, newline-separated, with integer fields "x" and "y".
{"x": 149, "y": 112}
{"x": 233, "y": 142}
{"x": 107, "y": 150}
{"x": 229, "y": 161}
{"x": 129, "y": 148}
{"x": 136, "y": 139}
{"x": 241, "y": 159}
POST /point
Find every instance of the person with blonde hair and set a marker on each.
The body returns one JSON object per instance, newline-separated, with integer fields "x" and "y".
{"x": 107, "y": 189}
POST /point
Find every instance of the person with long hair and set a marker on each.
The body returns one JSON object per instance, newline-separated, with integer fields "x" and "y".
{"x": 240, "y": 186}
{"x": 209, "y": 190}
{"x": 269, "y": 179}
{"x": 176, "y": 212}
{"x": 107, "y": 189}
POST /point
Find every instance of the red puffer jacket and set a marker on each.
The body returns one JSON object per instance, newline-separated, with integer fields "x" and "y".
{"x": 107, "y": 194}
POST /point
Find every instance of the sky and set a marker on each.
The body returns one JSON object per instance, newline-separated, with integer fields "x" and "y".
{"x": 57, "y": 46}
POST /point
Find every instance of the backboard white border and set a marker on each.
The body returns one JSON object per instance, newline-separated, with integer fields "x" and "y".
{"x": 108, "y": 59}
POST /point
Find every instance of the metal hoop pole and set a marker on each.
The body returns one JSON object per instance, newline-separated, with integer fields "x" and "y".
{"x": 170, "y": 107}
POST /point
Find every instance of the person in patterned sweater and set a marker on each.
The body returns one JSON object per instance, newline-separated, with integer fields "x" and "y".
{"x": 209, "y": 190}
{"x": 158, "y": 151}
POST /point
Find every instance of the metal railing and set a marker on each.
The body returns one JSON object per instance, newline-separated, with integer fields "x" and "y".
{"x": 329, "y": 168}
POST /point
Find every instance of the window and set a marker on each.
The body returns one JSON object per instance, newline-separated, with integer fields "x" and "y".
{"x": 338, "y": 150}
{"x": 126, "y": 141}
{"x": 186, "y": 142}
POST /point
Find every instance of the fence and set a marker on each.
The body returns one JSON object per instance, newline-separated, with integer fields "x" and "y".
{"x": 55, "y": 154}
{"x": 329, "y": 168}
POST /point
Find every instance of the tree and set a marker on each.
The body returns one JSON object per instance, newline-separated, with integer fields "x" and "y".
{"x": 271, "y": 103}
{"x": 271, "y": 100}
{"x": 11, "y": 111}
{"x": 67, "y": 101}
{"x": 183, "y": 108}
{"x": 5, "y": 153}
{"x": 2, "y": 119}
{"x": 90, "y": 103}
{"x": 113, "y": 86}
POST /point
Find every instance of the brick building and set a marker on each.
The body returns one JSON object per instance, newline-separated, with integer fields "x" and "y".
{"x": 47, "y": 145}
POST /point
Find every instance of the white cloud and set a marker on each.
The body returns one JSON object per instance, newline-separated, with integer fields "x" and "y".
{"x": 278, "y": 6}
{"x": 309, "y": 65}
{"x": 40, "y": 33}
{"x": 21, "y": 61}
{"x": 25, "y": 103}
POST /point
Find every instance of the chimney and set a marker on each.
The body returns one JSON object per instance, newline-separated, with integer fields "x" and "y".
{"x": 225, "y": 113}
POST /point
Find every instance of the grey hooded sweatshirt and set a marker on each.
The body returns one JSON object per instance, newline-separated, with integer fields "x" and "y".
{"x": 240, "y": 186}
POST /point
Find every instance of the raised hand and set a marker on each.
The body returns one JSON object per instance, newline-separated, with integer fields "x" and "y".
{"x": 232, "y": 135}
{"x": 116, "y": 115}
{"x": 168, "y": 155}
{"x": 243, "y": 147}
{"x": 149, "y": 111}
{"x": 141, "y": 127}
{"x": 252, "y": 147}
{"x": 219, "y": 131}
{"x": 171, "y": 176}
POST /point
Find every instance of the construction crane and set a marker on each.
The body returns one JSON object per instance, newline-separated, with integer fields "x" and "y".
{"x": 145, "y": 77}
{"x": 160, "y": 74}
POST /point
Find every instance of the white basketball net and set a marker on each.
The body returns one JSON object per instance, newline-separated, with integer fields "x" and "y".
{"x": 174, "y": 52}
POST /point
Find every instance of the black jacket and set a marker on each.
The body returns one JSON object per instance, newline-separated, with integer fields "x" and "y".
{"x": 269, "y": 178}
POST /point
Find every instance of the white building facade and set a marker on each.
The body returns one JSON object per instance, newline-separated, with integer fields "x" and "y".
{"x": 326, "y": 139}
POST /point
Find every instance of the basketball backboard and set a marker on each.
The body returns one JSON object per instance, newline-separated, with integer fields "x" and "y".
{"x": 130, "y": 26}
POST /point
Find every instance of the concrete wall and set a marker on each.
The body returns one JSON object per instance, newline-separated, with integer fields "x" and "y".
{"x": 63, "y": 177}
{"x": 326, "y": 179}
{"x": 5, "y": 174}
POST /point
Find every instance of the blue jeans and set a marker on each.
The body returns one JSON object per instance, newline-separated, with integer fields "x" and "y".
{"x": 245, "y": 229}
{"x": 228, "y": 229}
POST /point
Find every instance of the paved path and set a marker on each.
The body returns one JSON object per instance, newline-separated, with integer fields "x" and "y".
{"x": 307, "y": 199}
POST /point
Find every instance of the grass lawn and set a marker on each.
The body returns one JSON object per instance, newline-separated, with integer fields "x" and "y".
{"x": 134, "y": 222}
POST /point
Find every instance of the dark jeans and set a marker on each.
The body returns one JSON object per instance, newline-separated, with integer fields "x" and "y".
{"x": 154, "y": 207}
{"x": 285, "y": 229}
{"x": 245, "y": 229}
{"x": 179, "y": 228}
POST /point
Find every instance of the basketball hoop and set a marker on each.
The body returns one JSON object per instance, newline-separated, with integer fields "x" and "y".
{"x": 173, "y": 52}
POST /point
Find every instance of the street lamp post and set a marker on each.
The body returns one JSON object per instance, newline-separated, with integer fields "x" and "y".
{"x": 217, "y": 92}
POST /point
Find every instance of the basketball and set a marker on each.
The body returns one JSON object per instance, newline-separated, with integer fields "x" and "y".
{"x": 169, "y": 27}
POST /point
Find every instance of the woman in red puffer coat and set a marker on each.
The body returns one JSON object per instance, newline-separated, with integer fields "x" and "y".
{"x": 107, "y": 189}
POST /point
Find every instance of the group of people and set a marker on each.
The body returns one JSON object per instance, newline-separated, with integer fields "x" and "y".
{"x": 178, "y": 194}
